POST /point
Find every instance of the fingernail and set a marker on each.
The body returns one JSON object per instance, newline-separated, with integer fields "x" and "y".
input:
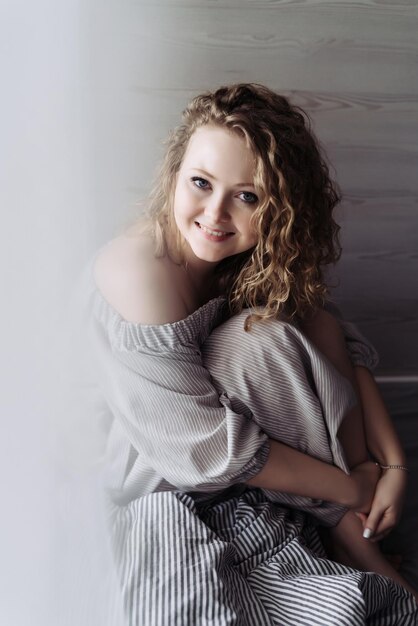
{"x": 367, "y": 533}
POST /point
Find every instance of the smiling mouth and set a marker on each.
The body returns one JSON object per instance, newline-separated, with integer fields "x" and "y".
{"x": 213, "y": 231}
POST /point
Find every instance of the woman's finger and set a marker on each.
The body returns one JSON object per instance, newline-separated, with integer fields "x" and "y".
{"x": 386, "y": 526}
{"x": 372, "y": 523}
{"x": 381, "y": 535}
{"x": 362, "y": 517}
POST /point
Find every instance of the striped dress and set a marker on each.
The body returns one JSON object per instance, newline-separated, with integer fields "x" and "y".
{"x": 189, "y": 410}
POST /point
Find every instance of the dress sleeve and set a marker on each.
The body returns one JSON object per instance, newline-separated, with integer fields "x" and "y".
{"x": 361, "y": 351}
{"x": 158, "y": 389}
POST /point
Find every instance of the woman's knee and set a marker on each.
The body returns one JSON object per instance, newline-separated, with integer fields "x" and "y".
{"x": 270, "y": 334}
{"x": 325, "y": 332}
{"x": 270, "y": 351}
{"x": 322, "y": 327}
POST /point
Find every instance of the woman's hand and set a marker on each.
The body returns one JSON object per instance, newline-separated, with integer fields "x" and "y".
{"x": 387, "y": 505}
{"x": 365, "y": 478}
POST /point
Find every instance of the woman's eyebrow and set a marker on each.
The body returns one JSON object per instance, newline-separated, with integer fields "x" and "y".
{"x": 214, "y": 178}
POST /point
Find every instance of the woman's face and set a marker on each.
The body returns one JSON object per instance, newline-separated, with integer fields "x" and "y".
{"x": 215, "y": 197}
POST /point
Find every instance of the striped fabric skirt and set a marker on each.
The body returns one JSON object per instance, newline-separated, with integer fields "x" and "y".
{"x": 242, "y": 561}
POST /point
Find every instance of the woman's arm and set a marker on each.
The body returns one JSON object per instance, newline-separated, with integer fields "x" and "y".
{"x": 382, "y": 439}
{"x": 373, "y": 428}
{"x": 291, "y": 471}
{"x": 173, "y": 416}
{"x": 148, "y": 365}
{"x": 370, "y": 417}
{"x": 163, "y": 397}
{"x": 383, "y": 442}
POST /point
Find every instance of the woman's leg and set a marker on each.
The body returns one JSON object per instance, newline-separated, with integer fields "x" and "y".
{"x": 275, "y": 376}
{"x": 348, "y": 546}
{"x": 325, "y": 333}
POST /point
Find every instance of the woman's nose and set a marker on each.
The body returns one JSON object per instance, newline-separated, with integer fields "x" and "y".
{"x": 216, "y": 208}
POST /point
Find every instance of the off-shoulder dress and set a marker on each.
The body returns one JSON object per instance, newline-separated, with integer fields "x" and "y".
{"x": 189, "y": 409}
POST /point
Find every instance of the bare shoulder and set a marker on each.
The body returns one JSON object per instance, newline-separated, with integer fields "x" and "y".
{"x": 141, "y": 287}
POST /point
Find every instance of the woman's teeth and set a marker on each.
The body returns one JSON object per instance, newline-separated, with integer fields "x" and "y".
{"x": 215, "y": 233}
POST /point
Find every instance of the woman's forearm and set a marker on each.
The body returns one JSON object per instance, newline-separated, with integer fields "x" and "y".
{"x": 291, "y": 471}
{"x": 382, "y": 439}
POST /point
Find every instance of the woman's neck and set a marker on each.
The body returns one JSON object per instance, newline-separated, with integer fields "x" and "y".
{"x": 201, "y": 276}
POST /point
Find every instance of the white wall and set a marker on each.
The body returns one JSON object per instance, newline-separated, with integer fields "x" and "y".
{"x": 46, "y": 214}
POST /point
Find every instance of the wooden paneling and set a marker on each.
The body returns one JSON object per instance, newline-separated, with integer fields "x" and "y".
{"x": 351, "y": 65}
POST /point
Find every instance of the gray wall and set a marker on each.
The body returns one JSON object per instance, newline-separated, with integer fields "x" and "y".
{"x": 351, "y": 65}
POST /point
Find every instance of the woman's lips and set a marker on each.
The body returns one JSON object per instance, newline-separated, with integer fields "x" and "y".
{"x": 213, "y": 234}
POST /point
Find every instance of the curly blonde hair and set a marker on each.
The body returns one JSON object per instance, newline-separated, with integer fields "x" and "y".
{"x": 297, "y": 236}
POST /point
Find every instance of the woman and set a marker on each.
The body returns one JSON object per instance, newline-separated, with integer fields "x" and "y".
{"x": 198, "y": 469}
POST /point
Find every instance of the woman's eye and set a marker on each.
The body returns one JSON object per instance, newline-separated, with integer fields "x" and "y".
{"x": 201, "y": 183}
{"x": 248, "y": 197}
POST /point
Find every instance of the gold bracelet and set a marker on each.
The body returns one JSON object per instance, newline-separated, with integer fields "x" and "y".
{"x": 385, "y": 467}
